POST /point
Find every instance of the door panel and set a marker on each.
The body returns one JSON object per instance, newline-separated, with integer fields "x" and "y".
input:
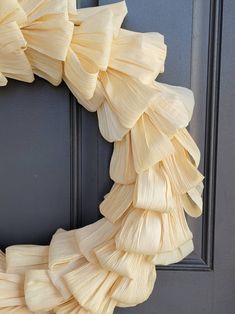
{"x": 34, "y": 162}
{"x": 224, "y": 254}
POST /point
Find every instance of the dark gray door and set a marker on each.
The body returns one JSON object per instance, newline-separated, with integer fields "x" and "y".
{"x": 51, "y": 152}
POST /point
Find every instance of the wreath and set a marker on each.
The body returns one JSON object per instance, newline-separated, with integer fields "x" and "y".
{"x": 112, "y": 71}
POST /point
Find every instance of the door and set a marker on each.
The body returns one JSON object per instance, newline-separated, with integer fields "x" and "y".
{"x": 54, "y": 164}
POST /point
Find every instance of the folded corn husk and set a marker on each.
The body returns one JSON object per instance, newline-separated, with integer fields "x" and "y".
{"x": 109, "y": 125}
{"x": 90, "y": 104}
{"x": 11, "y": 290}
{"x": 137, "y": 290}
{"x": 70, "y": 306}
{"x": 108, "y": 306}
{"x": 128, "y": 109}
{"x": 46, "y": 55}
{"x": 3, "y": 80}
{"x": 13, "y": 61}
{"x": 2, "y": 262}
{"x": 185, "y": 139}
{"x": 174, "y": 255}
{"x": 15, "y": 309}
{"x": 121, "y": 166}
{"x": 93, "y": 235}
{"x": 192, "y": 202}
{"x": 81, "y": 66}
{"x": 183, "y": 100}
{"x": 118, "y": 10}
{"x": 149, "y": 145}
{"x": 132, "y": 54}
{"x": 181, "y": 171}
{"x": 140, "y": 232}
{"x": 12, "y": 11}
{"x": 93, "y": 292}
{"x": 63, "y": 249}
{"x": 100, "y": 301}
{"x": 20, "y": 258}
{"x": 64, "y": 257}
{"x": 57, "y": 276}
{"x": 40, "y": 293}
{"x": 154, "y": 191}
{"x": 117, "y": 202}
{"x": 172, "y": 109}
{"x": 117, "y": 261}
{"x": 176, "y": 239}
{"x": 94, "y": 285}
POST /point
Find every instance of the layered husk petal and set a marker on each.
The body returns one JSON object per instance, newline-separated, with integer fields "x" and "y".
{"x": 121, "y": 166}
{"x": 13, "y": 61}
{"x": 149, "y": 145}
{"x": 117, "y": 201}
{"x": 140, "y": 232}
{"x": 176, "y": 240}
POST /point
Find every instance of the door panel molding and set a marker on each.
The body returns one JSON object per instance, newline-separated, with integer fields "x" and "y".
{"x": 205, "y": 262}
{"x": 75, "y": 212}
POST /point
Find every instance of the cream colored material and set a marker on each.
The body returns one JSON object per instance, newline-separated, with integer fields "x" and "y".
{"x": 188, "y": 143}
{"x": 118, "y": 261}
{"x": 91, "y": 279}
{"x": 172, "y": 109}
{"x": 57, "y": 276}
{"x": 118, "y": 200}
{"x": 2, "y": 262}
{"x": 63, "y": 249}
{"x": 181, "y": 171}
{"x": 40, "y": 293}
{"x": 13, "y": 61}
{"x": 122, "y": 166}
{"x": 132, "y": 54}
{"x": 137, "y": 290}
{"x": 176, "y": 235}
{"x": 117, "y": 86}
{"x": 20, "y": 258}
{"x": 110, "y": 71}
{"x": 154, "y": 190}
{"x": 149, "y": 145}
{"x": 109, "y": 125}
{"x": 140, "y": 232}
{"x": 118, "y": 11}
{"x": 11, "y": 290}
{"x": 192, "y": 202}
{"x": 71, "y": 306}
{"x": 93, "y": 235}
{"x": 46, "y": 55}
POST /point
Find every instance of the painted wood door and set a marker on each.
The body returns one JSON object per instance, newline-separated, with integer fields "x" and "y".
{"x": 54, "y": 163}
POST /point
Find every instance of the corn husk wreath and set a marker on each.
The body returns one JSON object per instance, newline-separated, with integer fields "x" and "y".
{"x": 154, "y": 163}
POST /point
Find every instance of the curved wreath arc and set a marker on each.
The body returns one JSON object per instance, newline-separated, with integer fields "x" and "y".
{"x": 110, "y": 71}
